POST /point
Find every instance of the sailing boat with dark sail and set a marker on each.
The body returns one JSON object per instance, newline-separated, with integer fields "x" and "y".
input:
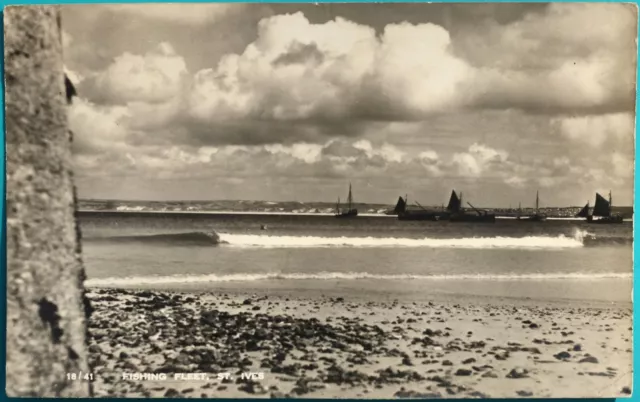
{"x": 601, "y": 210}
{"x": 584, "y": 212}
{"x": 537, "y": 216}
{"x": 406, "y": 214}
{"x": 350, "y": 212}
{"x": 458, "y": 214}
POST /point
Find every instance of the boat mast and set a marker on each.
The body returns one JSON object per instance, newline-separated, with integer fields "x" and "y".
{"x": 537, "y": 202}
{"x": 610, "y": 203}
{"x": 350, "y": 197}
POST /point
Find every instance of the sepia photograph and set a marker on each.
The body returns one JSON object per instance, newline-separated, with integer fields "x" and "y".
{"x": 316, "y": 200}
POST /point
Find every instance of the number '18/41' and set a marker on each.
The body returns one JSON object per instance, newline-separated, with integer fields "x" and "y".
{"x": 80, "y": 376}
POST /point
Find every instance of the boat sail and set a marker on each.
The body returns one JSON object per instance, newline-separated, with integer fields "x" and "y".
{"x": 602, "y": 210}
{"x": 455, "y": 203}
{"x": 458, "y": 214}
{"x": 405, "y": 214}
{"x": 584, "y": 212}
{"x": 350, "y": 211}
{"x": 401, "y": 206}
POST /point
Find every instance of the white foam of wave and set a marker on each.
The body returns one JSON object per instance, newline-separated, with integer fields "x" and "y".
{"x": 529, "y": 242}
{"x": 211, "y": 278}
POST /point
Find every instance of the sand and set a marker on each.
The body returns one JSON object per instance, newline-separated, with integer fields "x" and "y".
{"x": 337, "y": 347}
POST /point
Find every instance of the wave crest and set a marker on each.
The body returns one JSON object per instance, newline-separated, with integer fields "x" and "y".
{"x": 531, "y": 242}
{"x": 579, "y": 239}
{"x": 209, "y": 278}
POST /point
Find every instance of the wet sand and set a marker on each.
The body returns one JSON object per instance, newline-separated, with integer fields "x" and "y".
{"x": 337, "y": 347}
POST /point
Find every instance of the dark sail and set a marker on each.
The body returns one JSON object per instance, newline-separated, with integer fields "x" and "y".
{"x": 602, "y": 207}
{"x": 584, "y": 212}
{"x": 401, "y": 206}
{"x": 454, "y": 202}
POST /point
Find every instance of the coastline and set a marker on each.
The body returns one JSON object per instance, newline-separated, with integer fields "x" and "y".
{"x": 268, "y": 213}
{"x": 341, "y": 347}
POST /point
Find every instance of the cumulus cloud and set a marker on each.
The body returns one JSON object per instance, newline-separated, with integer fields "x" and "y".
{"x": 154, "y": 77}
{"x": 478, "y": 159}
{"x": 548, "y": 63}
{"x": 341, "y": 100}
{"x": 300, "y": 81}
{"x": 297, "y": 70}
{"x": 598, "y": 129}
{"x": 97, "y": 129}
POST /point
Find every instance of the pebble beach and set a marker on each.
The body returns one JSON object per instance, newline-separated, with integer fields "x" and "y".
{"x": 230, "y": 345}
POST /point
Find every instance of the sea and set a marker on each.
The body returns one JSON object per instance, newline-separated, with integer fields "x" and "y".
{"x": 371, "y": 257}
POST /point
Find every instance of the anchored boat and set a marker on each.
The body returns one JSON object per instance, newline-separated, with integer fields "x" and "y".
{"x": 406, "y": 214}
{"x": 601, "y": 211}
{"x": 350, "y": 212}
{"x": 458, "y": 214}
{"x": 537, "y": 216}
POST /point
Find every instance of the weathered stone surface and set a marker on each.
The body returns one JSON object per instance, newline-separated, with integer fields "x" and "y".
{"x": 45, "y": 311}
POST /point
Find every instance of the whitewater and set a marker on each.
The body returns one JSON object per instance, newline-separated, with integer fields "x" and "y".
{"x": 530, "y": 242}
{"x": 365, "y": 256}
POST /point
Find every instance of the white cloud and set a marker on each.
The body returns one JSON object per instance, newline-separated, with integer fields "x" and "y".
{"x": 154, "y": 77}
{"x": 597, "y": 130}
{"x": 309, "y": 153}
{"x": 298, "y": 70}
{"x": 622, "y": 165}
{"x": 97, "y": 129}
{"x": 478, "y": 159}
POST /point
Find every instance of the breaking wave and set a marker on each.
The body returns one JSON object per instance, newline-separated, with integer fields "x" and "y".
{"x": 579, "y": 239}
{"x": 235, "y": 240}
{"x": 179, "y": 239}
{"x": 212, "y": 278}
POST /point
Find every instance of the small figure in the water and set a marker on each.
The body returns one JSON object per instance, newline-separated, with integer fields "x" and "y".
{"x": 263, "y": 227}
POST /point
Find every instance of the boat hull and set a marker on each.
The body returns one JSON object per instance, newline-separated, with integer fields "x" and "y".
{"x": 418, "y": 217}
{"x": 347, "y": 214}
{"x": 533, "y": 218}
{"x": 606, "y": 220}
{"x": 488, "y": 218}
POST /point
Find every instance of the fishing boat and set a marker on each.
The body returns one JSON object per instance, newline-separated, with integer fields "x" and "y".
{"x": 406, "y": 214}
{"x": 350, "y": 212}
{"x": 601, "y": 210}
{"x": 536, "y": 217}
{"x": 401, "y": 206}
{"x": 456, "y": 212}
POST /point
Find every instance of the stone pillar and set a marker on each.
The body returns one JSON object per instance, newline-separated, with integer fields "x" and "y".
{"x": 46, "y": 316}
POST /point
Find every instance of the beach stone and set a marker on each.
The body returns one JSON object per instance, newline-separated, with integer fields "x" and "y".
{"x": 464, "y": 372}
{"x": 524, "y": 393}
{"x": 469, "y": 361}
{"x": 518, "y": 372}
{"x": 95, "y": 349}
{"x": 172, "y": 393}
{"x": 407, "y": 361}
{"x": 447, "y": 363}
{"x": 626, "y": 391}
{"x": 588, "y": 359}
{"x": 562, "y": 355}
{"x": 577, "y": 347}
{"x": 489, "y": 374}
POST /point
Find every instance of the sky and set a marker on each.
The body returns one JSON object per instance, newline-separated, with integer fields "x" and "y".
{"x": 292, "y": 102}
